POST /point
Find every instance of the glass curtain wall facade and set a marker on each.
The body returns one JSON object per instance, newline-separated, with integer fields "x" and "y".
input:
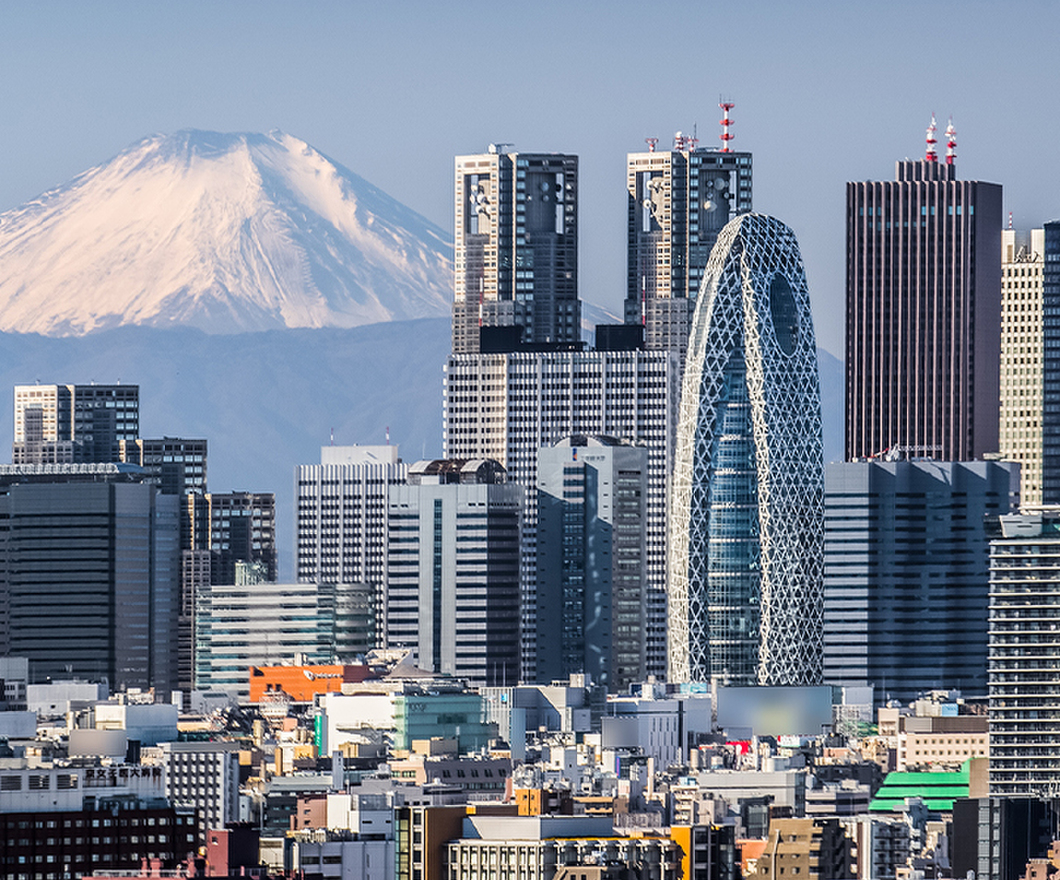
{"x": 747, "y": 510}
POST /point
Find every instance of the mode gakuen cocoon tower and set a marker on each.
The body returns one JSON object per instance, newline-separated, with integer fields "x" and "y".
{"x": 747, "y": 511}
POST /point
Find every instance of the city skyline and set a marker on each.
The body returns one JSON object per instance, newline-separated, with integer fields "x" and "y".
{"x": 378, "y": 90}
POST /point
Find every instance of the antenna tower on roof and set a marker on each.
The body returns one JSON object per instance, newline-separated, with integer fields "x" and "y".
{"x": 726, "y": 135}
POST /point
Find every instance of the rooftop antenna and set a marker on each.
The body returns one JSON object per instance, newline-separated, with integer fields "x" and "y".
{"x": 932, "y": 154}
{"x": 1009, "y": 219}
{"x": 951, "y": 143}
{"x": 725, "y": 135}
{"x": 651, "y": 142}
{"x": 388, "y": 435}
{"x": 332, "y": 436}
{"x": 693, "y": 142}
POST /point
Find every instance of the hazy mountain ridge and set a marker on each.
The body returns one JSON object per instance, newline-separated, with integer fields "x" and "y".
{"x": 225, "y": 232}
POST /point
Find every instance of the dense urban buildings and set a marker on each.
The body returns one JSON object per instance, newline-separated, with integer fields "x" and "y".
{"x": 923, "y": 313}
{"x": 506, "y": 407}
{"x": 261, "y": 624}
{"x": 516, "y": 246}
{"x": 591, "y": 561}
{"x": 452, "y": 593}
{"x": 1024, "y": 655}
{"x": 679, "y": 200}
{"x": 74, "y": 423}
{"x": 746, "y": 528}
{"x": 906, "y": 573}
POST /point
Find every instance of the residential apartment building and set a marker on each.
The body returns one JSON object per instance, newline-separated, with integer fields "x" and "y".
{"x": 1024, "y": 654}
{"x": 205, "y": 776}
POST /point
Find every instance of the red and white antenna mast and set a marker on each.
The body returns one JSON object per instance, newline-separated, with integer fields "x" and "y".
{"x": 951, "y": 143}
{"x": 932, "y": 152}
{"x": 1009, "y": 219}
{"x": 726, "y": 135}
{"x": 651, "y": 142}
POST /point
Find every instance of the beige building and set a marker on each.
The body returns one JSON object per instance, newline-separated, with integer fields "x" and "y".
{"x": 1022, "y": 356}
{"x": 805, "y": 848}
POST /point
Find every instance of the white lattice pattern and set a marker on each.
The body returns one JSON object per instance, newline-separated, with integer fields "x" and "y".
{"x": 753, "y": 297}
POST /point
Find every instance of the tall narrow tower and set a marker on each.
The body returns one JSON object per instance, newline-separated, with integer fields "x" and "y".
{"x": 747, "y": 513}
{"x": 516, "y": 247}
{"x": 923, "y": 315}
{"x": 679, "y": 200}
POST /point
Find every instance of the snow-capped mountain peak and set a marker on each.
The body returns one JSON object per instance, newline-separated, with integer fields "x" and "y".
{"x": 225, "y": 232}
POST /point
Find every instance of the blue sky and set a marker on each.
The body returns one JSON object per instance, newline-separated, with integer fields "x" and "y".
{"x": 825, "y": 93}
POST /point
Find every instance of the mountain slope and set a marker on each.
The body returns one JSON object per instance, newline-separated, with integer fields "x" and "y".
{"x": 224, "y": 232}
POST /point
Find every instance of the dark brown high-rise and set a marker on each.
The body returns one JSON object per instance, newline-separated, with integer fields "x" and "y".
{"x": 923, "y": 317}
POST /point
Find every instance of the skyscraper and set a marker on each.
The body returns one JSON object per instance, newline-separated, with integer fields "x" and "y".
{"x": 592, "y": 572}
{"x": 507, "y": 406}
{"x": 1022, "y": 349}
{"x": 342, "y": 514}
{"x": 516, "y": 246}
{"x": 679, "y": 200}
{"x": 90, "y": 574}
{"x": 453, "y": 570}
{"x": 242, "y": 529}
{"x": 746, "y": 524}
{"x": 1024, "y": 655}
{"x": 906, "y": 574}
{"x": 1030, "y": 337}
{"x": 923, "y": 315}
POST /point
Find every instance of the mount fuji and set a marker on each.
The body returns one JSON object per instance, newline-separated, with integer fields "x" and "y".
{"x": 227, "y": 233}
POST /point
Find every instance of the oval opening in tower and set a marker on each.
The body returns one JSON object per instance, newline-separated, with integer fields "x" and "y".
{"x": 785, "y": 314}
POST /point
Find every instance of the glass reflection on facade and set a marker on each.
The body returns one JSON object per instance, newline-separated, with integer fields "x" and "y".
{"x": 747, "y": 511}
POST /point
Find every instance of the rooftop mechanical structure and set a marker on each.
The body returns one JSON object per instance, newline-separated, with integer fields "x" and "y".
{"x": 747, "y": 513}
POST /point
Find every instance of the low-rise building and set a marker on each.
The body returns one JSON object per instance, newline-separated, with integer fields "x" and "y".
{"x": 204, "y": 776}
{"x": 816, "y": 848}
{"x": 540, "y": 847}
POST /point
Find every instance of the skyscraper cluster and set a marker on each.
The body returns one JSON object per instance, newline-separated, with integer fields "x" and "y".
{"x": 109, "y": 539}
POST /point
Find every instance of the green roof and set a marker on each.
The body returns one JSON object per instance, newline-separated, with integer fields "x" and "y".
{"x": 937, "y": 790}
